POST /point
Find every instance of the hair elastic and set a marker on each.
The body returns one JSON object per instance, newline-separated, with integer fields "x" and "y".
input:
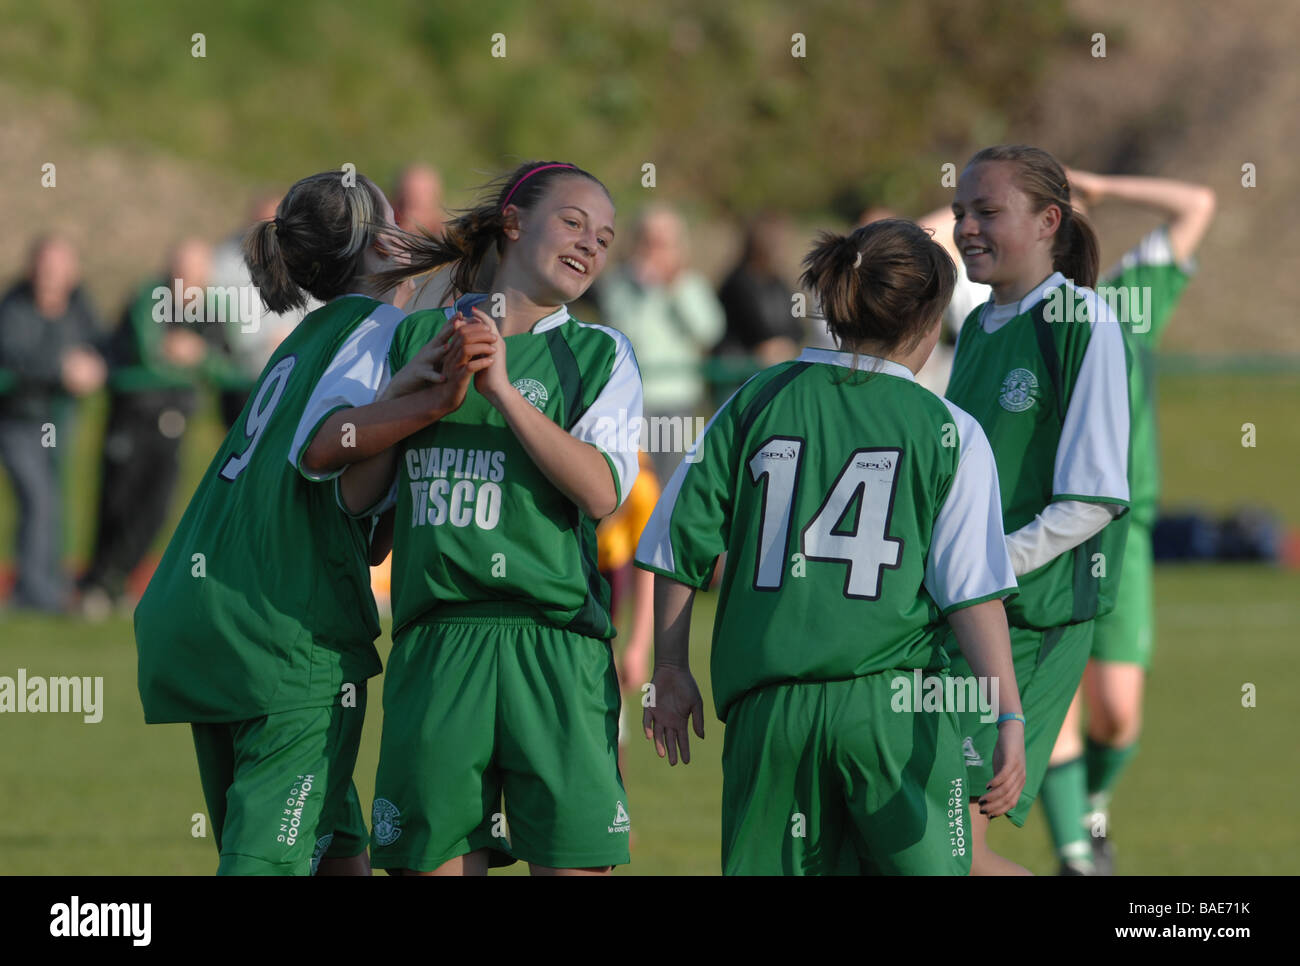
{"x": 542, "y": 167}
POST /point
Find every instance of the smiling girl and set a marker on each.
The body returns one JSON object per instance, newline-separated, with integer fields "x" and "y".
{"x": 501, "y": 679}
{"x": 1077, "y": 788}
{"x": 1050, "y": 389}
{"x": 860, "y": 518}
{"x": 258, "y": 626}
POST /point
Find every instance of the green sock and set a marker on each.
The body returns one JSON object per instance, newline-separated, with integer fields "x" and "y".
{"x": 1105, "y": 764}
{"x": 1064, "y": 799}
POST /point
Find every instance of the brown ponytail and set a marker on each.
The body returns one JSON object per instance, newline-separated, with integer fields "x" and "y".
{"x": 887, "y": 282}
{"x": 473, "y": 241}
{"x": 316, "y": 242}
{"x": 1076, "y": 252}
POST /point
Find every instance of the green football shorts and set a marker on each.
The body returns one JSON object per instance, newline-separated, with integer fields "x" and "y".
{"x": 1049, "y": 666}
{"x": 1127, "y": 634}
{"x": 279, "y": 788}
{"x": 350, "y": 836}
{"x": 476, "y": 707}
{"x": 826, "y": 777}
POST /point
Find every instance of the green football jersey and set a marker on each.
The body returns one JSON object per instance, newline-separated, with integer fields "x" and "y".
{"x": 261, "y": 603}
{"x": 1148, "y": 282}
{"x": 1050, "y": 389}
{"x": 857, "y": 509}
{"x": 477, "y": 520}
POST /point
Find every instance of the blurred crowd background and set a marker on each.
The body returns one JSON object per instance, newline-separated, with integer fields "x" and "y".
{"x": 139, "y": 142}
{"x": 695, "y": 341}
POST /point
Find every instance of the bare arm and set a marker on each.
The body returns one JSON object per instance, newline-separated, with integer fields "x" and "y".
{"x": 1190, "y": 207}
{"x": 576, "y": 469}
{"x": 368, "y": 479}
{"x": 353, "y": 435}
{"x": 363, "y": 484}
{"x": 636, "y": 659}
{"x": 412, "y": 400}
{"x": 674, "y": 696}
{"x": 672, "y": 617}
{"x": 985, "y": 642}
{"x": 381, "y": 543}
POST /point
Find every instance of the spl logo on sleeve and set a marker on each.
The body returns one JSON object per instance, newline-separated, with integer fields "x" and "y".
{"x": 1019, "y": 391}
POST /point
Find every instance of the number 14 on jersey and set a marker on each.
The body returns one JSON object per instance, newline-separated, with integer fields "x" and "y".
{"x": 866, "y": 483}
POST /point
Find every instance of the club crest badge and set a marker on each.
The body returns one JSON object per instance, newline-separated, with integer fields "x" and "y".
{"x": 384, "y": 822}
{"x": 1019, "y": 391}
{"x": 534, "y": 392}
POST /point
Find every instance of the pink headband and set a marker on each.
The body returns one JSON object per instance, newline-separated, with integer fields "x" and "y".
{"x": 526, "y": 177}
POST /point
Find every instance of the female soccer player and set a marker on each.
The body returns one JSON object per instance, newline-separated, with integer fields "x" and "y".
{"x": 858, "y": 511}
{"x": 501, "y": 678}
{"x": 1145, "y": 286}
{"x": 258, "y": 625}
{"x": 1043, "y": 367}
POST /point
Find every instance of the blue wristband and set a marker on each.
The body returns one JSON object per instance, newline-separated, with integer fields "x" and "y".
{"x": 1011, "y": 716}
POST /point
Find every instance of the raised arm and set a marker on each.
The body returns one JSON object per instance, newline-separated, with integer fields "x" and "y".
{"x": 412, "y": 400}
{"x": 577, "y": 469}
{"x": 1189, "y": 207}
{"x": 571, "y": 460}
{"x": 366, "y": 479}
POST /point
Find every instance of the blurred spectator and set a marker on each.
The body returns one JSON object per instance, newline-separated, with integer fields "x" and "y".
{"x": 758, "y": 301}
{"x": 672, "y": 318}
{"x": 247, "y": 343}
{"x": 417, "y": 204}
{"x": 48, "y": 333}
{"x": 156, "y": 359}
{"x": 417, "y": 200}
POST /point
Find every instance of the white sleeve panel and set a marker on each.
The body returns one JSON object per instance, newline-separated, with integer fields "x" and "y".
{"x": 968, "y": 558}
{"x": 1061, "y": 527}
{"x": 1092, "y": 455}
{"x": 613, "y": 422}
{"x": 655, "y": 547}
{"x": 1154, "y": 248}
{"x": 357, "y": 373}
